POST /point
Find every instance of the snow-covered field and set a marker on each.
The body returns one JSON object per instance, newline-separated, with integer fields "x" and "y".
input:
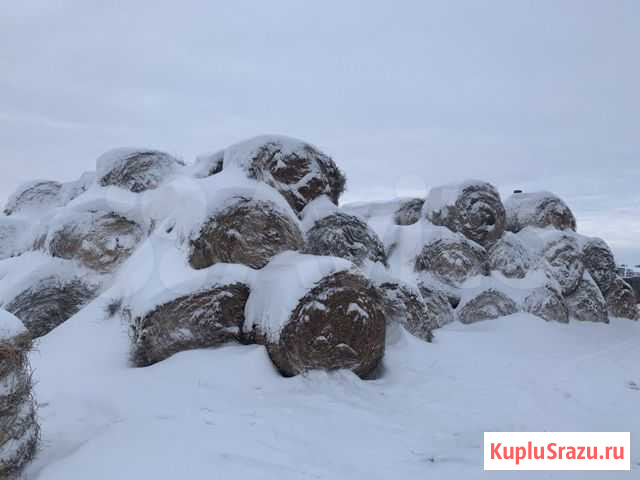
{"x": 226, "y": 413}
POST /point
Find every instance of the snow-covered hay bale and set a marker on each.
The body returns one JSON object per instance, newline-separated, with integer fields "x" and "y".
{"x": 50, "y": 301}
{"x": 345, "y": 236}
{"x": 438, "y": 304}
{"x": 563, "y": 260}
{"x": 409, "y": 212}
{"x": 19, "y": 430}
{"x": 472, "y": 208}
{"x": 11, "y": 232}
{"x": 298, "y": 170}
{"x": 547, "y": 302}
{"x": 135, "y": 169}
{"x": 246, "y": 231}
{"x": 35, "y": 195}
{"x": 206, "y": 318}
{"x": 587, "y": 303}
{"x": 621, "y": 300}
{"x": 599, "y": 262}
{"x": 98, "y": 239}
{"x": 538, "y": 209}
{"x": 486, "y": 305}
{"x": 317, "y": 313}
{"x": 452, "y": 259}
{"x": 510, "y": 256}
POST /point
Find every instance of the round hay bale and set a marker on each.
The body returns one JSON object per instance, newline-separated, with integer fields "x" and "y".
{"x": 409, "y": 212}
{"x": 487, "y": 305}
{"x": 621, "y": 300}
{"x": 99, "y": 240}
{"x": 296, "y": 169}
{"x": 510, "y": 257}
{"x": 587, "y": 303}
{"x": 599, "y": 262}
{"x": 452, "y": 260}
{"x": 33, "y": 196}
{"x": 249, "y": 232}
{"x": 50, "y": 302}
{"x": 135, "y": 169}
{"x": 19, "y": 435}
{"x": 472, "y": 208}
{"x": 11, "y": 231}
{"x": 547, "y": 302}
{"x": 563, "y": 260}
{"x": 538, "y": 209}
{"x": 438, "y": 304}
{"x": 345, "y": 236}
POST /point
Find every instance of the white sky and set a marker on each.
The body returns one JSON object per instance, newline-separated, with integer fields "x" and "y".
{"x": 404, "y": 95}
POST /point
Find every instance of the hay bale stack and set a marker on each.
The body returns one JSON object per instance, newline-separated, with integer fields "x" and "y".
{"x": 599, "y": 262}
{"x": 50, "y": 301}
{"x": 486, "y": 305}
{"x": 563, "y": 260}
{"x": 296, "y": 169}
{"x": 135, "y": 169}
{"x": 409, "y": 212}
{"x": 472, "y": 208}
{"x": 548, "y": 303}
{"x": 538, "y": 209}
{"x": 345, "y": 236}
{"x": 317, "y": 313}
{"x": 98, "y": 239}
{"x": 586, "y": 303}
{"x": 452, "y": 259}
{"x": 246, "y": 231}
{"x": 621, "y": 300}
{"x": 33, "y": 196}
{"x": 19, "y": 430}
{"x": 207, "y": 318}
{"x": 510, "y": 256}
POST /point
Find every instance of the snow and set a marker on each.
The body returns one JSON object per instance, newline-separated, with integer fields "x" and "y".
{"x": 317, "y": 209}
{"x": 10, "y": 326}
{"x": 242, "y": 153}
{"x": 439, "y": 199}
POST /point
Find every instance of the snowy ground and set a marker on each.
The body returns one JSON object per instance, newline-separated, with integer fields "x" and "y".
{"x": 225, "y": 413}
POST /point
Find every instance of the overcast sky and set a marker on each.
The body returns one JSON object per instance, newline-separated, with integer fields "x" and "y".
{"x": 403, "y": 95}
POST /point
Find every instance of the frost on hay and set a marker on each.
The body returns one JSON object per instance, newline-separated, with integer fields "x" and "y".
{"x": 510, "y": 257}
{"x": 35, "y": 195}
{"x": 621, "y": 300}
{"x": 409, "y": 212}
{"x": 538, "y": 209}
{"x": 487, "y": 305}
{"x": 547, "y": 302}
{"x": 586, "y": 303}
{"x": 452, "y": 260}
{"x": 599, "y": 262}
{"x": 563, "y": 260}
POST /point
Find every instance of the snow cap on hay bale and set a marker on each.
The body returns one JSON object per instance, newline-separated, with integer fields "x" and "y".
{"x": 621, "y": 300}
{"x": 510, "y": 256}
{"x": 35, "y": 195}
{"x": 19, "y": 431}
{"x": 245, "y": 230}
{"x": 587, "y": 303}
{"x": 200, "y": 314}
{"x": 135, "y": 169}
{"x": 538, "y": 209}
{"x": 296, "y": 169}
{"x": 96, "y": 236}
{"x": 488, "y": 304}
{"x": 472, "y": 208}
{"x": 563, "y": 260}
{"x": 409, "y": 212}
{"x": 547, "y": 303}
{"x": 345, "y": 236}
{"x": 12, "y": 230}
{"x": 599, "y": 262}
{"x": 316, "y": 313}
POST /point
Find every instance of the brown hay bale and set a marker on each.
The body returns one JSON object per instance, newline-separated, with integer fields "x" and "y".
{"x": 296, "y": 169}
{"x": 472, "y": 208}
{"x": 487, "y": 305}
{"x": 39, "y": 194}
{"x": 510, "y": 257}
{"x": 409, "y": 212}
{"x": 452, "y": 260}
{"x": 249, "y": 232}
{"x": 50, "y": 302}
{"x": 538, "y": 209}
{"x": 339, "y": 323}
{"x": 136, "y": 170}
{"x": 586, "y": 303}
{"x": 204, "y": 319}
{"x": 599, "y": 262}
{"x": 345, "y": 236}
{"x": 99, "y": 240}
{"x": 563, "y": 261}
{"x": 547, "y": 302}
{"x": 621, "y": 300}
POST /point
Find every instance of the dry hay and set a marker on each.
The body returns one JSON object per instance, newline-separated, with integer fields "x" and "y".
{"x": 473, "y": 209}
{"x": 409, "y": 212}
{"x": 487, "y": 305}
{"x": 340, "y": 323}
{"x": 249, "y": 232}
{"x": 205, "y": 319}
{"x": 622, "y": 300}
{"x": 587, "y": 303}
{"x": 538, "y": 209}
{"x": 345, "y": 236}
